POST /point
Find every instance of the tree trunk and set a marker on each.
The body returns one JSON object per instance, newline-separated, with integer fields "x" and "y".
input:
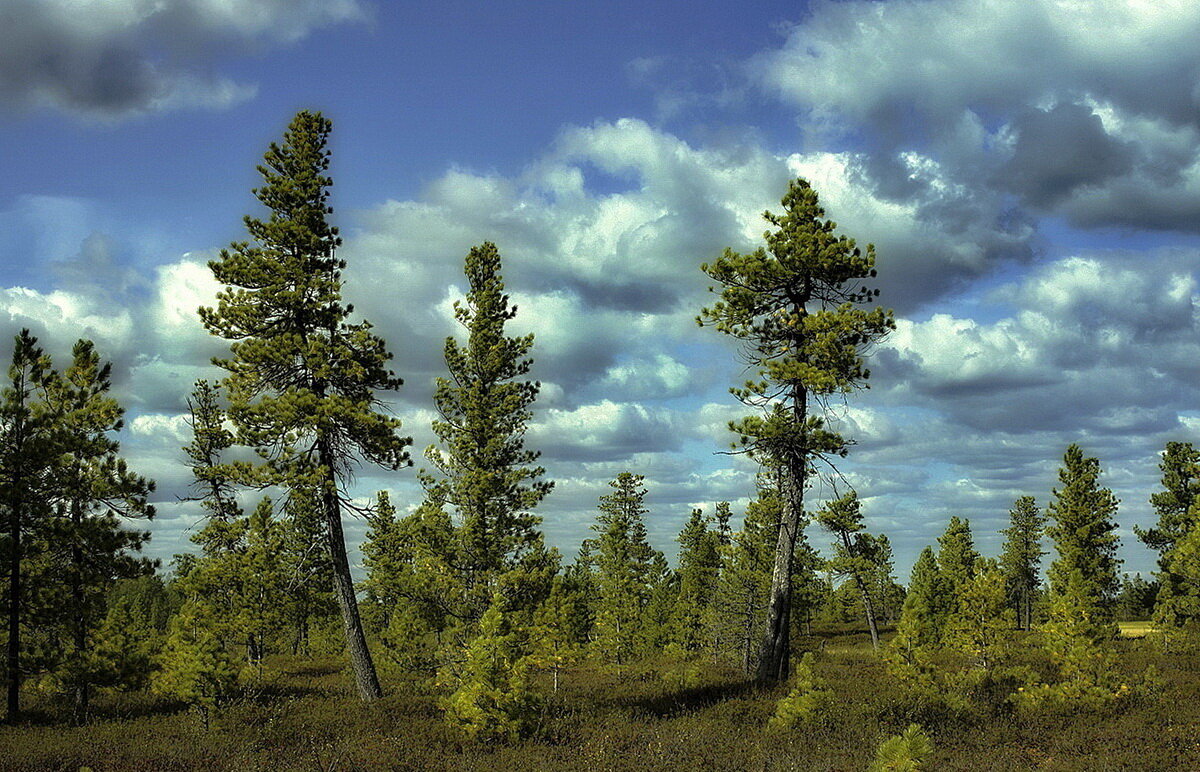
{"x": 869, "y": 609}
{"x": 13, "y": 661}
{"x": 15, "y": 508}
{"x": 773, "y": 661}
{"x": 80, "y": 692}
{"x": 343, "y": 587}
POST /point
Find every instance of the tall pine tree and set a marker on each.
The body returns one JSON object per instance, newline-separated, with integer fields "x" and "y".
{"x": 484, "y": 473}
{"x": 303, "y": 379}
{"x": 26, "y": 452}
{"x": 94, "y": 492}
{"x": 798, "y": 307}
{"x": 628, "y": 569}
{"x": 1084, "y": 534}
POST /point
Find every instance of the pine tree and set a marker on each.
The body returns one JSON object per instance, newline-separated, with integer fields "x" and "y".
{"x": 264, "y": 590}
{"x": 307, "y": 566}
{"x": 211, "y": 479}
{"x": 921, "y": 617}
{"x": 628, "y": 569}
{"x": 797, "y": 305}
{"x": 26, "y": 451}
{"x": 554, "y": 638}
{"x": 1083, "y": 531}
{"x": 485, "y": 473}
{"x": 1022, "y": 557}
{"x": 905, "y": 752}
{"x": 888, "y": 595}
{"x": 699, "y": 568}
{"x": 94, "y": 493}
{"x": 1088, "y": 676}
{"x": 303, "y": 380}
{"x": 1178, "y": 509}
{"x": 808, "y": 696}
{"x": 745, "y": 578}
{"x": 922, "y": 621}
{"x": 493, "y": 701}
{"x": 1175, "y": 504}
{"x": 982, "y": 621}
{"x": 956, "y": 560}
{"x": 195, "y": 665}
{"x": 1177, "y": 612}
{"x": 856, "y": 552}
{"x": 415, "y": 584}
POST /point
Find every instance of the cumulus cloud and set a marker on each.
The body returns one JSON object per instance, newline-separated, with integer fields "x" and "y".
{"x": 602, "y": 235}
{"x": 120, "y": 57}
{"x": 1084, "y": 109}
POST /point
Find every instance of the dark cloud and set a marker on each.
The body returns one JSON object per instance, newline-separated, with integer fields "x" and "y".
{"x": 1085, "y": 110}
{"x": 1060, "y": 150}
{"x": 122, "y": 57}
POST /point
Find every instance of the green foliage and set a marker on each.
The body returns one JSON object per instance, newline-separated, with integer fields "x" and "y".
{"x": 956, "y": 560}
{"x": 195, "y": 666}
{"x": 1137, "y": 598}
{"x": 1083, "y": 530}
{"x": 905, "y": 752}
{"x": 919, "y": 632}
{"x": 809, "y": 695}
{"x": 493, "y": 701}
{"x": 921, "y": 618}
{"x": 554, "y": 639}
{"x": 433, "y": 574}
{"x": 630, "y": 574}
{"x": 67, "y": 494}
{"x": 798, "y": 306}
{"x": 484, "y": 472}
{"x": 303, "y": 379}
{"x": 797, "y": 350}
{"x": 982, "y": 623}
{"x": 1075, "y": 639}
{"x": 1022, "y": 557}
{"x": 1177, "y": 612}
{"x": 856, "y": 553}
{"x": 1177, "y": 607}
{"x": 745, "y": 577}
{"x": 1174, "y": 504}
{"x": 699, "y": 570}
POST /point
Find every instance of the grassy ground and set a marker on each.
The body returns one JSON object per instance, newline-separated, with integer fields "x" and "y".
{"x": 307, "y": 719}
{"x": 1135, "y": 629}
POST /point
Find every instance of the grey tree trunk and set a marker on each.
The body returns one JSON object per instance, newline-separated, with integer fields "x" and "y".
{"x": 773, "y": 661}
{"x": 869, "y": 610}
{"x": 365, "y": 677}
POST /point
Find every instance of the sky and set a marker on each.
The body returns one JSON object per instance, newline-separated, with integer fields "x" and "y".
{"x": 1029, "y": 174}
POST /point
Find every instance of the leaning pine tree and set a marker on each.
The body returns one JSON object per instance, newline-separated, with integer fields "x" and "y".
{"x": 798, "y": 306}
{"x": 303, "y": 380}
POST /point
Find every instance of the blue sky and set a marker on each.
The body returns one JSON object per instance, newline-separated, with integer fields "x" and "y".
{"x": 1029, "y": 173}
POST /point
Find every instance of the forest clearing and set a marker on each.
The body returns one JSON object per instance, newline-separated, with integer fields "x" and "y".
{"x": 743, "y": 655}
{"x": 803, "y": 385}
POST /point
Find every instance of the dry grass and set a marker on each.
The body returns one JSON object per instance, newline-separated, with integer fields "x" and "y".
{"x": 1135, "y": 629}
{"x": 307, "y": 719}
